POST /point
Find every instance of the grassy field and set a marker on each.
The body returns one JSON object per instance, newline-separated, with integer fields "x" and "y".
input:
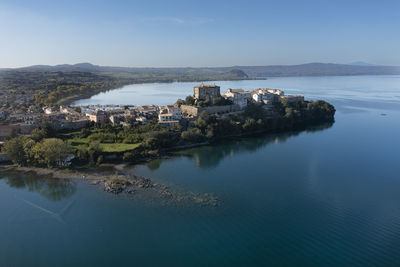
{"x": 114, "y": 147}
{"x": 118, "y": 147}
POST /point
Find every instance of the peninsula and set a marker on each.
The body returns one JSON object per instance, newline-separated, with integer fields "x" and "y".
{"x": 65, "y": 136}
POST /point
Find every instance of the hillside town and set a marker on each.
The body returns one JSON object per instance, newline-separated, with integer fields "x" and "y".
{"x": 203, "y": 99}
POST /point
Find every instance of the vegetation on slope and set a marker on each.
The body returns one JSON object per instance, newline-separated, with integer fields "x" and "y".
{"x": 47, "y": 148}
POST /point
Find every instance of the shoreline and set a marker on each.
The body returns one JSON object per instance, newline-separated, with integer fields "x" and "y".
{"x": 93, "y": 173}
{"x": 87, "y": 95}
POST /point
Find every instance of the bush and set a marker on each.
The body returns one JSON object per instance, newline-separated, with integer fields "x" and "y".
{"x": 15, "y": 149}
{"x": 52, "y": 152}
{"x": 193, "y": 135}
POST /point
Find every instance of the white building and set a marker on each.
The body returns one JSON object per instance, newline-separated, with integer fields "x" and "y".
{"x": 238, "y": 97}
{"x": 141, "y": 119}
{"x": 167, "y": 117}
{"x": 273, "y": 91}
{"x": 50, "y": 110}
{"x": 175, "y": 111}
{"x": 66, "y": 110}
{"x": 261, "y": 96}
{"x": 268, "y": 96}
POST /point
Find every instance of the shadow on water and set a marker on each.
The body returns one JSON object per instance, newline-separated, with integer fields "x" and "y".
{"x": 208, "y": 157}
{"x": 51, "y": 188}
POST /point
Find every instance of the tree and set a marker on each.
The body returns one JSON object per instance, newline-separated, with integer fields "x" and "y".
{"x": 52, "y": 152}
{"x": 189, "y": 100}
{"x": 94, "y": 152}
{"x": 38, "y": 134}
{"x": 250, "y": 125}
{"x": 192, "y": 135}
{"x": 255, "y": 111}
{"x": 180, "y": 102}
{"x": 15, "y": 149}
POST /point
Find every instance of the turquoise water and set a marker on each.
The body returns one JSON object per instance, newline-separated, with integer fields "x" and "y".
{"x": 327, "y": 196}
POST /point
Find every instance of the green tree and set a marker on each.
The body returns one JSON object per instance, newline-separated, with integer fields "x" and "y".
{"x": 15, "y": 149}
{"x": 192, "y": 135}
{"x": 255, "y": 111}
{"x": 38, "y": 134}
{"x": 52, "y": 152}
{"x": 180, "y": 102}
{"x": 94, "y": 152}
{"x": 189, "y": 100}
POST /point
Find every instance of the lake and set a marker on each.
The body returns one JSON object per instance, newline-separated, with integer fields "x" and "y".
{"x": 326, "y": 196}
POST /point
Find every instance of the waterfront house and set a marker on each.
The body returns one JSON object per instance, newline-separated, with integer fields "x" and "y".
{"x": 238, "y": 97}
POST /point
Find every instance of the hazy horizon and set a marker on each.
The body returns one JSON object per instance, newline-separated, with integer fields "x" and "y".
{"x": 197, "y": 34}
{"x": 356, "y": 63}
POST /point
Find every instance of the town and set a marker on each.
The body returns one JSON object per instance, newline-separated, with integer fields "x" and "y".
{"x": 205, "y": 97}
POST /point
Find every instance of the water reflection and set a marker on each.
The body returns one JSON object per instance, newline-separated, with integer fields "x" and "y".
{"x": 51, "y": 188}
{"x": 209, "y": 157}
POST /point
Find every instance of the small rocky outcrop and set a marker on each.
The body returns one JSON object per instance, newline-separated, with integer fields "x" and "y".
{"x": 134, "y": 184}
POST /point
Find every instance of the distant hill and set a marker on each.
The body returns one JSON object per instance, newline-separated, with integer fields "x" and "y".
{"x": 310, "y": 69}
{"x": 318, "y": 69}
{"x": 362, "y": 63}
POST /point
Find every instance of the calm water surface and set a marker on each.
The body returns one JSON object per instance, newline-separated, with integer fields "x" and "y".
{"x": 328, "y": 196}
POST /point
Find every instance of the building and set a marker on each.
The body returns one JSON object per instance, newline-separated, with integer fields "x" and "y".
{"x": 204, "y": 91}
{"x": 175, "y": 111}
{"x": 192, "y": 111}
{"x": 130, "y": 112}
{"x": 167, "y": 117}
{"x": 98, "y": 116}
{"x": 273, "y": 91}
{"x": 267, "y": 95}
{"x": 50, "y": 110}
{"x": 261, "y": 96}
{"x": 116, "y": 119}
{"x": 141, "y": 120}
{"x": 238, "y": 97}
{"x": 147, "y": 109}
{"x": 67, "y": 110}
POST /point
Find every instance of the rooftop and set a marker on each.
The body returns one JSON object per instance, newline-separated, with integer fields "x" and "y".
{"x": 207, "y": 85}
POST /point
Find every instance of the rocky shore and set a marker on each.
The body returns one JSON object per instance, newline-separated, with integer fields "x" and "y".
{"x": 121, "y": 183}
{"x": 137, "y": 184}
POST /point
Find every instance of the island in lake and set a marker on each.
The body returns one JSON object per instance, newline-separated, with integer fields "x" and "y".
{"x": 67, "y": 141}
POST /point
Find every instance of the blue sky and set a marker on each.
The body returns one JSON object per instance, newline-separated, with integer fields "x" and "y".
{"x": 198, "y": 33}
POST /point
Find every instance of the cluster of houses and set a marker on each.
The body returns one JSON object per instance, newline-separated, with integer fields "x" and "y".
{"x": 267, "y": 96}
{"x": 65, "y": 117}
{"x": 239, "y": 98}
{"x": 123, "y": 116}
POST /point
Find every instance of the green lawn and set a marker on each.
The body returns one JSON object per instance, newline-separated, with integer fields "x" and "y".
{"x": 118, "y": 147}
{"x": 78, "y": 141}
{"x": 115, "y": 147}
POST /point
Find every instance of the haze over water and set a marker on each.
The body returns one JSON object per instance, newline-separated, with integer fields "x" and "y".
{"x": 329, "y": 196}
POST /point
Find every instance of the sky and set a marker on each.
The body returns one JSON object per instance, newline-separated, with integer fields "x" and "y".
{"x": 175, "y": 33}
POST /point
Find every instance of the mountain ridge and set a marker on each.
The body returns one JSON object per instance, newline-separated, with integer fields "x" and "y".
{"x": 307, "y": 69}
